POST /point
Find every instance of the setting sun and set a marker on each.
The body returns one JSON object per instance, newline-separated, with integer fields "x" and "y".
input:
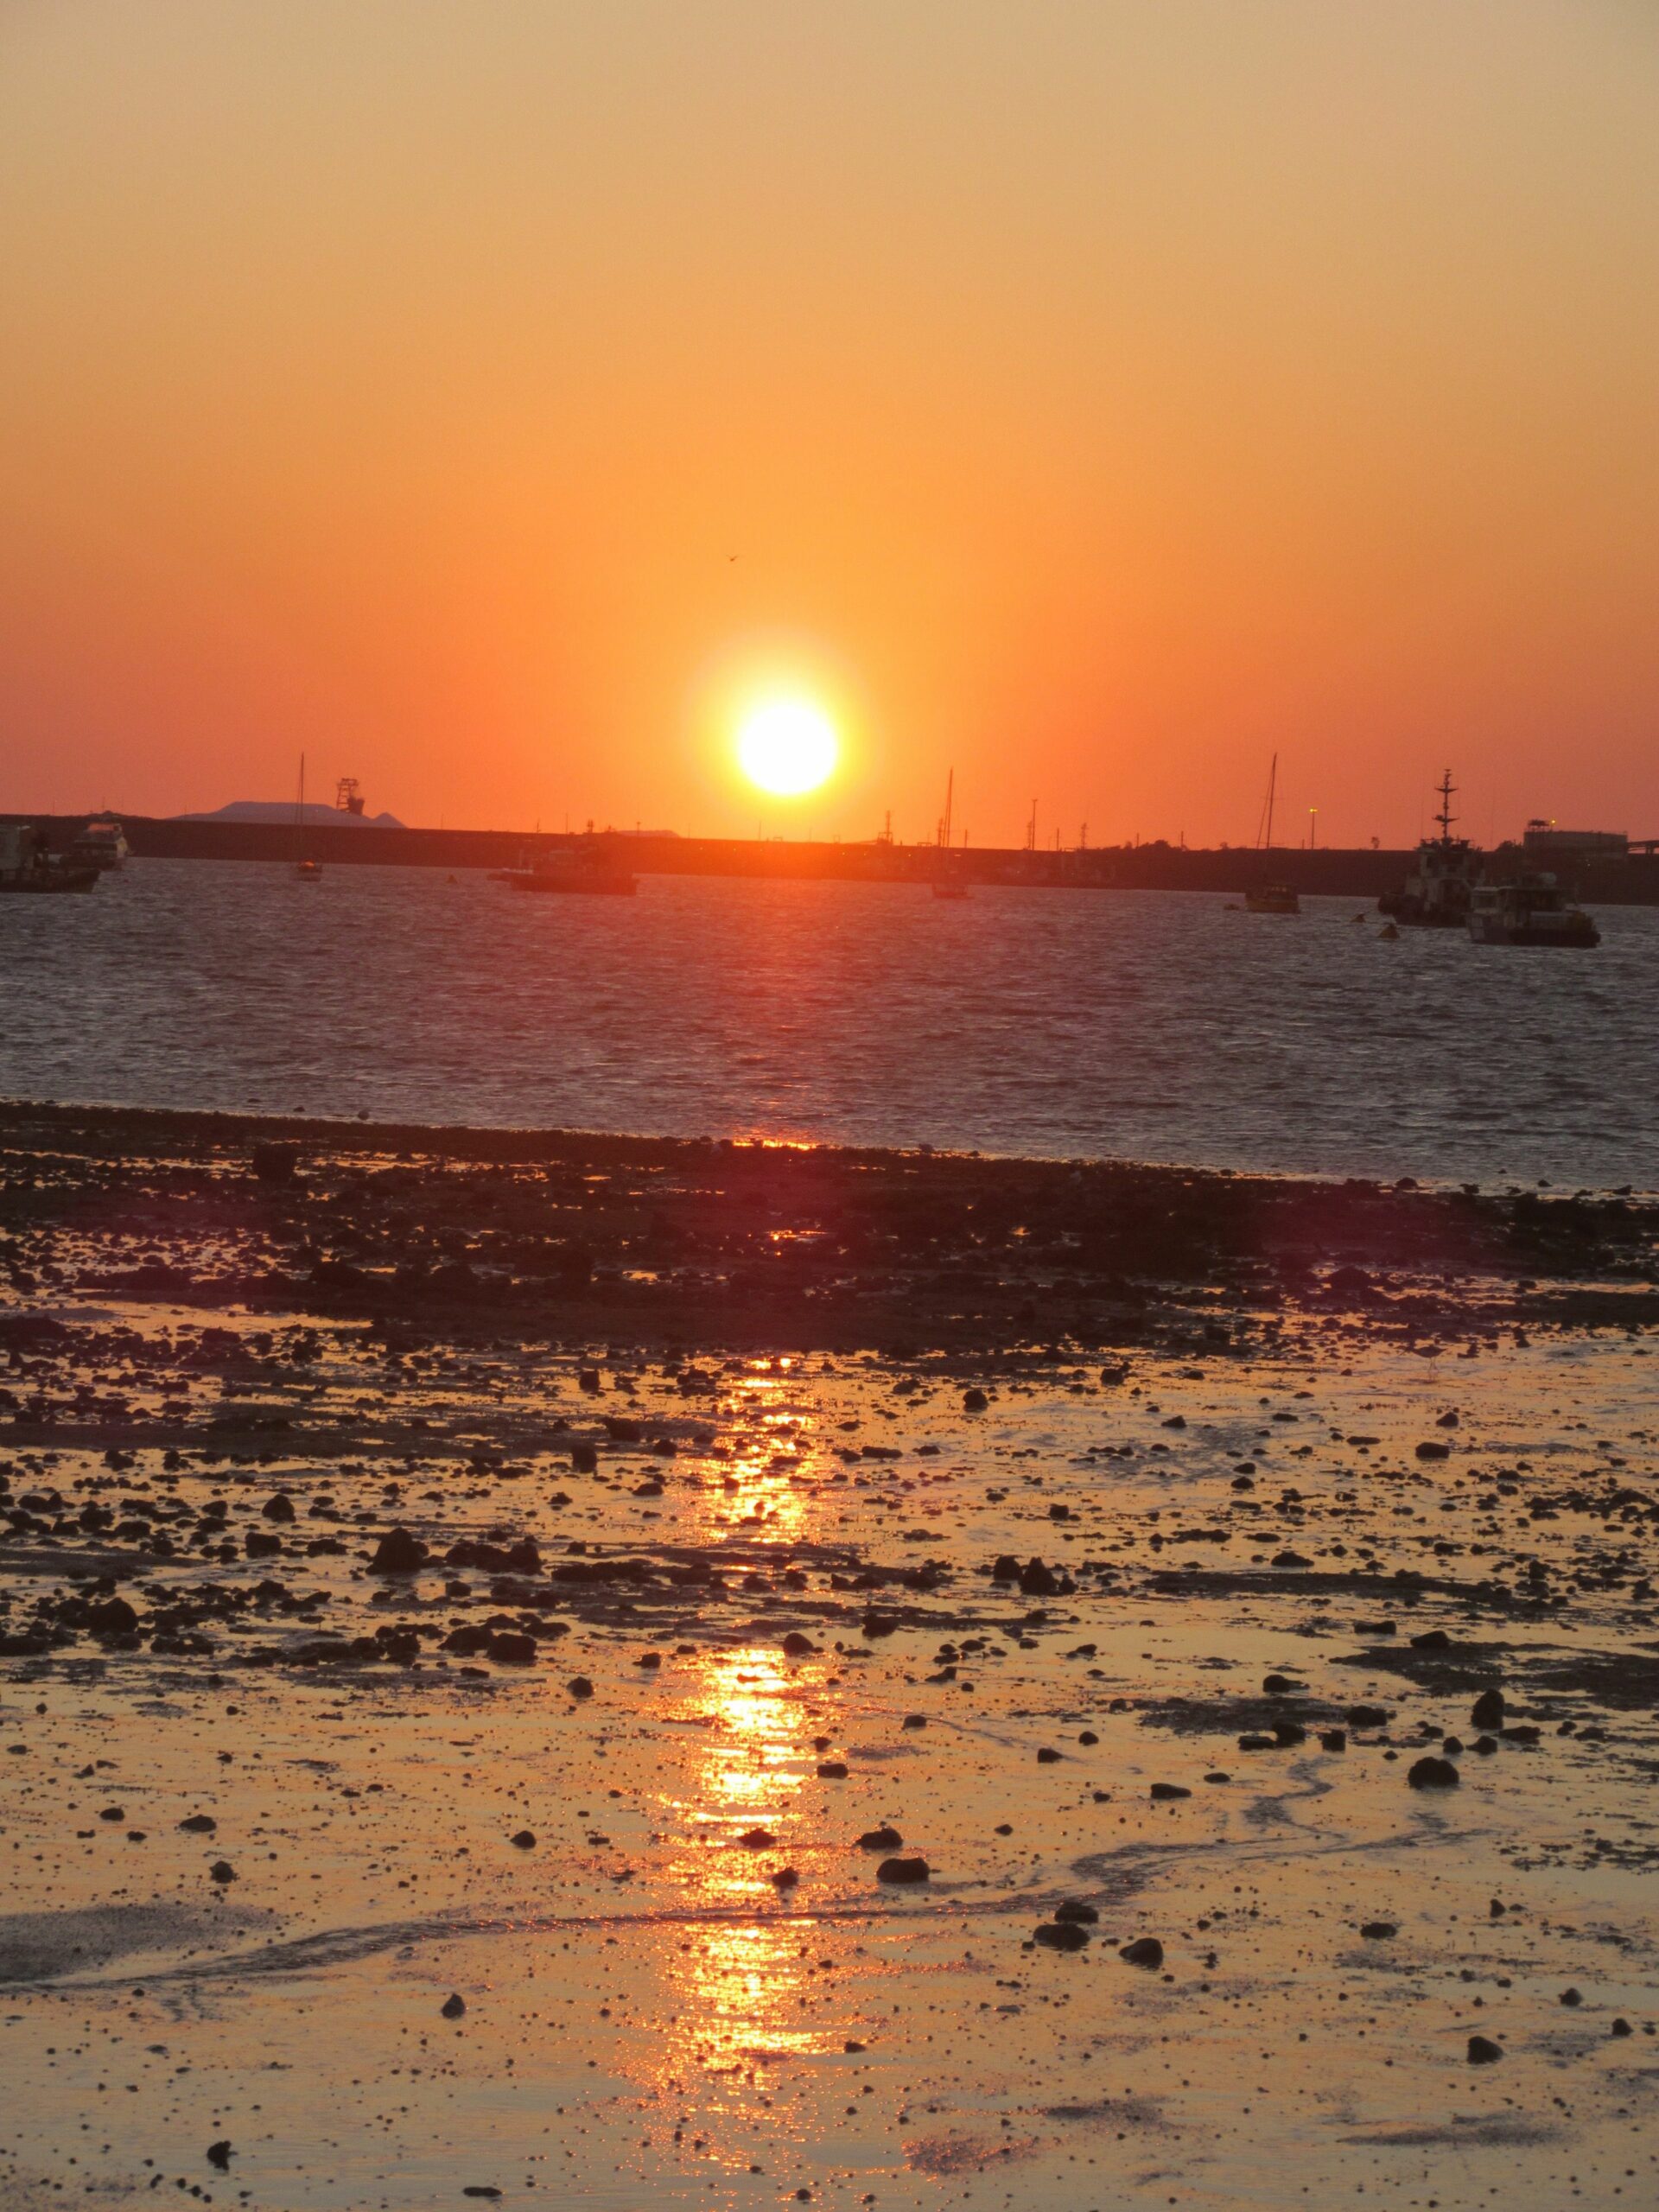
{"x": 787, "y": 747}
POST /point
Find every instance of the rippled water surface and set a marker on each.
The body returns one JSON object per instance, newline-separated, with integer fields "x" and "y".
{"x": 1155, "y": 1025}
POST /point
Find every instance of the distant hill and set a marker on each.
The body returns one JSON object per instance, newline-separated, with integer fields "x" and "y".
{"x": 278, "y": 810}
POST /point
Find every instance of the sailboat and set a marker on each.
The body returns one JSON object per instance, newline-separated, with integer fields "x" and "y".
{"x": 308, "y": 870}
{"x": 947, "y": 884}
{"x": 1271, "y": 898}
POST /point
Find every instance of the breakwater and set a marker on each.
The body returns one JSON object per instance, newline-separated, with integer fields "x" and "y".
{"x": 1353, "y": 872}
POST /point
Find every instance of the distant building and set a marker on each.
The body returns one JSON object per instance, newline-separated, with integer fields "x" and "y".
{"x": 1546, "y": 843}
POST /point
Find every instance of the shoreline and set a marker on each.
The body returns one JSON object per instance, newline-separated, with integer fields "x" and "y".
{"x": 567, "y": 1233}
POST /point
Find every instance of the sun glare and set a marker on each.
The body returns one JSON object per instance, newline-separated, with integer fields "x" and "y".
{"x": 787, "y": 747}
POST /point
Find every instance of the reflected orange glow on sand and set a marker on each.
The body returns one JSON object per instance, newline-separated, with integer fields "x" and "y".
{"x": 735, "y": 1988}
{"x": 760, "y": 1490}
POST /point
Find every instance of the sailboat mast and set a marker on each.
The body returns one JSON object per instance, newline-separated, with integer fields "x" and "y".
{"x": 949, "y": 800}
{"x": 1264, "y": 827}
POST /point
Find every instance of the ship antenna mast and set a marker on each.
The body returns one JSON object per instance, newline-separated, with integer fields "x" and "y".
{"x": 1446, "y": 817}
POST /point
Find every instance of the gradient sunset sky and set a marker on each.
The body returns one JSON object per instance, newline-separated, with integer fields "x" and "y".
{"x": 1095, "y": 395}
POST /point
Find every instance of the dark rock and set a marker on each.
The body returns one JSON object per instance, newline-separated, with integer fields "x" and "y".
{"x": 1333, "y": 1739}
{"x": 1483, "y": 2051}
{"x": 274, "y": 1163}
{"x": 1379, "y": 1931}
{"x": 1048, "y": 1756}
{"x": 199, "y": 1824}
{"x": 398, "y": 1553}
{"x": 1163, "y": 1792}
{"x": 881, "y": 1839}
{"x": 1488, "y": 1710}
{"x": 1085, "y": 1915}
{"x": 1432, "y": 1451}
{"x": 220, "y": 2155}
{"x": 1432, "y": 1774}
{"x": 1037, "y": 1580}
{"x": 279, "y": 1507}
{"x": 222, "y": 1871}
{"x": 524, "y": 1841}
{"x": 757, "y": 1839}
{"x": 578, "y": 1686}
{"x": 903, "y": 1870}
{"x": 110, "y": 1616}
{"x": 1062, "y": 1936}
{"x": 974, "y": 1401}
{"x": 1572, "y": 1997}
{"x": 833, "y": 1770}
{"x": 454, "y": 2008}
{"x": 796, "y": 1646}
{"x": 511, "y": 1648}
{"x": 1145, "y": 1951}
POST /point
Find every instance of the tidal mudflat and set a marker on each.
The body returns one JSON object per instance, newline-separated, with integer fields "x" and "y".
{"x": 1080, "y": 1688}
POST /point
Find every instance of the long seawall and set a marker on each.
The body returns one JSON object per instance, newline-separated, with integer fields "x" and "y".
{"x": 1356, "y": 873}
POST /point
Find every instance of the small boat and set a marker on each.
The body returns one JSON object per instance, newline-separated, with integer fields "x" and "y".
{"x": 948, "y": 883}
{"x": 308, "y": 870}
{"x": 582, "y": 868}
{"x": 26, "y": 865}
{"x": 101, "y": 844}
{"x": 1436, "y": 894}
{"x": 1527, "y": 908}
{"x": 1272, "y": 899}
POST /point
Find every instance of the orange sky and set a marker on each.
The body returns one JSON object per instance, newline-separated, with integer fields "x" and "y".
{"x": 1097, "y": 395}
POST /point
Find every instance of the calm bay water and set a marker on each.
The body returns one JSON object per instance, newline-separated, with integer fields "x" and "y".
{"x": 1145, "y": 1024}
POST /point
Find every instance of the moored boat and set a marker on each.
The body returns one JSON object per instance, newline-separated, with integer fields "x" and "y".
{"x": 1270, "y": 898}
{"x": 1529, "y": 908}
{"x": 101, "y": 844}
{"x": 1436, "y": 894}
{"x": 1273, "y": 899}
{"x": 583, "y": 868}
{"x": 27, "y": 865}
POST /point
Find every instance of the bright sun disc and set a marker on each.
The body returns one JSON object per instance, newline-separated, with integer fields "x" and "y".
{"x": 787, "y": 747}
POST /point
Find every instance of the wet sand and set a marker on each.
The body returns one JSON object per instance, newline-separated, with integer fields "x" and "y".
{"x": 453, "y": 1726}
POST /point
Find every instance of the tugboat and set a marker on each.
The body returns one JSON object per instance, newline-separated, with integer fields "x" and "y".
{"x": 584, "y": 867}
{"x": 101, "y": 844}
{"x": 26, "y": 865}
{"x": 1436, "y": 894}
{"x": 1270, "y": 898}
{"x": 1527, "y": 908}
